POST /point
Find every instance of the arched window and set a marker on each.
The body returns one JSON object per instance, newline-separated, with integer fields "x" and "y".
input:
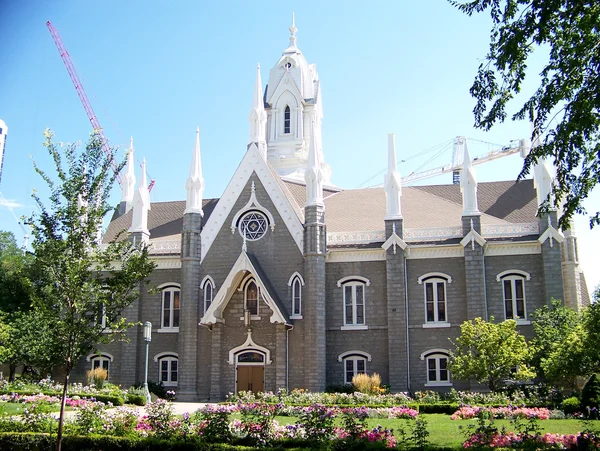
{"x": 208, "y": 289}
{"x": 513, "y": 287}
{"x": 436, "y": 366}
{"x": 170, "y": 307}
{"x": 354, "y": 288}
{"x": 434, "y": 285}
{"x": 101, "y": 361}
{"x": 355, "y": 362}
{"x": 251, "y": 298}
{"x": 295, "y": 283}
{"x": 168, "y": 367}
{"x": 287, "y": 120}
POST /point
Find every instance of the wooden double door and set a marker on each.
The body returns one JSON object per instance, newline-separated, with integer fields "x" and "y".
{"x": 250, "y": 378}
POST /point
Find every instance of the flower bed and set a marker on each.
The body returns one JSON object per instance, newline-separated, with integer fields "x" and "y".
{"x": 468, "y": 412}
{"x": 512, "y": 440}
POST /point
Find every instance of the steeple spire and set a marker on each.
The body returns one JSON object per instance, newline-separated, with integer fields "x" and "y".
{"x": 128, "y": 185}
{"x": 141, "y": 205}
{"x": 392, "y": 183}
{"x": 313, "y": 175}
{"x": 293, "y": 31}
{"x": 195, "y": 182}
{"x": 468, "y": 185}
{"x": 258, "y": 117}
{"x": 542, "y": 173}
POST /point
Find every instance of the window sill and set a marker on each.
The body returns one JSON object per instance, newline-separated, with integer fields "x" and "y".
{"x": 436, "y": 325}
{"x": 169, "y": 384}
{"x": 168, "y": 330}
{"x": 523, "y": 322}
{"x": 355, "y": 327}
{"x": 296, "y": 317}
{"x": 438, "y": 384}
{"x": 252, "y": 317}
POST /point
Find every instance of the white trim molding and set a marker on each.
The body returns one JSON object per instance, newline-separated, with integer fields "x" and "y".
{"x": 429, "y": 275}
{"x": 249, "y": 345}
{"x": 160, "y": 355}
{"x": 99, "y": 354}
{"x": 252, "y": 204}
{"x": 293, "y": 276}
{"x": 168, "y": 284}
{"x": 519, "y": 248}
{"x": 435, "y": 351}
{"x": 518, "y": 272}
{"x": 346, "y": 279}
{"x": 364, "y": 354}
{"x": 444, "y": 251}
{"x": 207, "y": 278}
{"x": 355, "y": 255}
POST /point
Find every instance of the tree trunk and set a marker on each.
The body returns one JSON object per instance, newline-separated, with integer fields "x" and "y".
{"x": 63, "y": 402}
{"x": 11, "y": 372}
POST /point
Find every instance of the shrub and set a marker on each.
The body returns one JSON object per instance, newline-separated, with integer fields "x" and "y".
{"x": 135, "y": 399}
{"x": 590, "y": 395}
{"x": 571, "y": 405}
{"x": 214, "y": 423}
{"x": 97, "y": 376}
{"x": 317, "y": 421}
{"x": 371, "y": 385}
{"x": 159, "y": 415}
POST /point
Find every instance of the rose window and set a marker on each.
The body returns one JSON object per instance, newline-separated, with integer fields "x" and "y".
{"x": 253, "y": 225}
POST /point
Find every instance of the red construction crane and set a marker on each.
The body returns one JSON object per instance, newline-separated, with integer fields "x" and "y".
{"x": 87, "y": 106}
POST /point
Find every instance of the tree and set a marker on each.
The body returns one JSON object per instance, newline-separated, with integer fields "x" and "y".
{"x": 76, "y": 276}
{"x": 15, "y": 284}
{"x": 558, "y": 352}
{"x": 567, "y": 100}
{"x": 490, "y": 353}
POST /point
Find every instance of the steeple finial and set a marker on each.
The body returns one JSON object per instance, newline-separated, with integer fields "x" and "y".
{"x": 195, "y": 182}
{"x": 258, "y": 117}
{"x": 468, "y": 185}
{"x": 293, "y": 31}
{"x": 393, "y": 183}
{"x": 128, "y": 185}
{"x": 314, "y": 174}
{"x": 141, "y": 205}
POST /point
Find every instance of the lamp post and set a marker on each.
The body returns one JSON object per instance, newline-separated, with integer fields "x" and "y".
{"x": 148, "y": 339}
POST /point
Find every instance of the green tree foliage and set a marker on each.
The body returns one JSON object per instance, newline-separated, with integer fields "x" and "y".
{"x": 77, "y": 277}
{"x": 566, "y": 102}
{"x": 490, "y": 353}
{"x": 591, "y": 324}
{"x": 15, "y": 285}
{"x": 558, "y": 351}
{"x": 590, "y": 395}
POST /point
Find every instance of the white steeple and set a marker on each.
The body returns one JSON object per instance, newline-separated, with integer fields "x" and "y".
{"x": 468, "y": 185}
{"x": 543, "y": 176}
{"x": 258, "y": 117}
{"x": 195, "y": 182}
{"x": 293, "y": 104}
{"x": 314, "y": 174}
{"x": 128, "y": 181}
{"x": 392, "y": 183}
{"x": 141, "y": 205}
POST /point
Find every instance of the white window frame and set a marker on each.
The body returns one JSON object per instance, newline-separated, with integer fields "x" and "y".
{"x": 513, "y": 275}
{"x": 287, "y": 109}
{"x": 296, "y": 280}
{"x": 246, "y": 285}
{"x": 354, "y": 282}
{"x": 435, "y": 278}
{"x": 101, "y": 358}
{"x": 207, "y": 281}
{"x": 169, "y": 358}
{"x": 171, "y": 288}
{"x": 436, "y": 355}
{"x": 354, "y": 357}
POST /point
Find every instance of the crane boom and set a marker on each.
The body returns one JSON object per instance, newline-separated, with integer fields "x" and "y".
{"x": 87, "y": 106}
{"x": 519, "y": 145}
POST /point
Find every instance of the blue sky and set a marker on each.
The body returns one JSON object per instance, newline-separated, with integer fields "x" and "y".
{"x": 156, "y": 70}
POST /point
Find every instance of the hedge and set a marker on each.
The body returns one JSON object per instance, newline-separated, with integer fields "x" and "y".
{"x": 29, "y": 441}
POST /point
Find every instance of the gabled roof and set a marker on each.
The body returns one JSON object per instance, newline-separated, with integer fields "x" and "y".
{"x": 244, "y": 265}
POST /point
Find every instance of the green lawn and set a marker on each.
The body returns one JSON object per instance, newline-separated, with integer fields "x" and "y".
{"x": 16, "y": 408}
{"x": 446, "y": 432}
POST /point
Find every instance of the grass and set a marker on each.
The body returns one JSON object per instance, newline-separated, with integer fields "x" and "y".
{"x": 446, "y": 432}
{"x": 16, "y": 408}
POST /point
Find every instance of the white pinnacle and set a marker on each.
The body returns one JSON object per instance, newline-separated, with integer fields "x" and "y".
{"x": 195, "y": 182}
{"x": 393, "y": 183}
{"x": 141, "y": 205}
{"x": 258, "y": 117}
{"x": 293, "y": 31}
{"x": 128, "y": 184}
{"x": 313, "y": 175}
{"x": 468, "y": 185}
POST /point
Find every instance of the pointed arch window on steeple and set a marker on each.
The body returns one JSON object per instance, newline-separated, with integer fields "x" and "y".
{"x": 287, "y": 120}
{"x": 251, "y": 298}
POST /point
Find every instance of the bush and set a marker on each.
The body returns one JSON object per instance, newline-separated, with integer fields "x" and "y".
{"x": 447, "y": 408}
{"x": 571, "y": 405}
{"x": 590, "y": 395}
{"x": 97, "y": 376}
{"x": 135, "y": 399}
{"x": 371, "y": 385}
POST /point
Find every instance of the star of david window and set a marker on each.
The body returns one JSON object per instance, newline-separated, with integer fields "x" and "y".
{"x": 253, "y": 225}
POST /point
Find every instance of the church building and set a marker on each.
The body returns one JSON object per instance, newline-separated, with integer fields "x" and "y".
{"x": 287, "y": 281}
